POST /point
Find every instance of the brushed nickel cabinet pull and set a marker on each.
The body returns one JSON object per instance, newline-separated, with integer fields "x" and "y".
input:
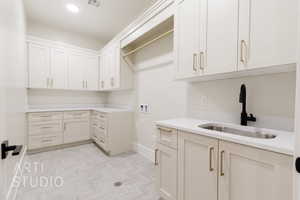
{"x": 195, "y": 62}
{"x": 201, "y": 60}
{"x": 52, "y": 82}
{"x": 244, "y": 52}
{"x": 222, "y": 164}
{"x": 82, "y": 84}
{"x": 156, "y": 162}
{"x": 165, "y": 129}
{"x": 211, "y": 151}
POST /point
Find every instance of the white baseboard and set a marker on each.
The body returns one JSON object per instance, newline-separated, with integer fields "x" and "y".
{"x": 144, "y": 151}
{"x": 13, "y": 190}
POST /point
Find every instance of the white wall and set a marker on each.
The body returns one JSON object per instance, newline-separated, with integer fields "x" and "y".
{"x": 12, "y": 84}
{"x": 270, "y": 97}
{"x": 64, "y": 97}
{"x": 52, "y": 33}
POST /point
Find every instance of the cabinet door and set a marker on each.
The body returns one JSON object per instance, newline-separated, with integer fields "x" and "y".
{"x": 249, "y": 173}
{"x": 115, "y": 69}
{"x": 76, "y": 76}
{"x": 197, "y": 173}
{"x": 267, "y": 33}
{"x": 75, "y": 131}
{"x": 91, "y": 73}
{"x": 222, "y": 37}
{"x": 59, "y": 69}
{"x": 39, "y": 66}
{"x": 166, "y": 169}
{"x": 186, "y": 38}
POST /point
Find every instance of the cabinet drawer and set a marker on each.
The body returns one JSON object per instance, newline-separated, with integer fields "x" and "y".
{"x": 77, "y": 115}
{"x": 167, "y": 136}
{"x": 99, "y": 115}
{"x": 101, "y": 142}
{"x": 45, "y": 128}
{"x": 99, "y": 124}
{"x": 36, "y": 142}
{"x": 45, "y": 116}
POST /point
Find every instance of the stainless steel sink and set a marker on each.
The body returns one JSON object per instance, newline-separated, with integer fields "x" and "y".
{"x": 237, "y": 131}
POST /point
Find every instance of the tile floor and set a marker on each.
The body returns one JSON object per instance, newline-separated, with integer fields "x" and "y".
{"x": 85, "y": 173}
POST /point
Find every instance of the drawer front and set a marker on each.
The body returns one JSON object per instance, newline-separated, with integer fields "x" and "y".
{"x": 45, "y": 116}
{"x": 45, "y": 128}
{"x": 99, "y": 116}
{"x": 101, "y": 142}
{"x": 77, "y": 115}
{"x": 36, "y": 142}
{"x": 167, "y": 136}
{"x": 99, "y": 124}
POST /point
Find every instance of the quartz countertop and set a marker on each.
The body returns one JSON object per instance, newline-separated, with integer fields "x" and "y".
{"x": 80, "y": 108}
{"x": 283, "y": 143}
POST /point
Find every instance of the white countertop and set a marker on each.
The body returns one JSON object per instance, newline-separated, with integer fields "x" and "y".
{"x": 283, "y": 143}
{"x": 81, "y": 108}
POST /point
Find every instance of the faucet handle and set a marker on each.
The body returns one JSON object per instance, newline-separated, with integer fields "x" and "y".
{"x": 252, "y": 118}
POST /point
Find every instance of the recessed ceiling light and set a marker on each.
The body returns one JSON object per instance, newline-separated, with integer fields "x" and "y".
{"x": 72, "y": 8}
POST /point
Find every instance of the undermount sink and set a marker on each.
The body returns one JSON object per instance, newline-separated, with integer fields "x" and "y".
{"x": 237, "y": 131}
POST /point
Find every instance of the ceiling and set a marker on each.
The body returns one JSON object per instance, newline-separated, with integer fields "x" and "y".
{"x": 102, "y": 23}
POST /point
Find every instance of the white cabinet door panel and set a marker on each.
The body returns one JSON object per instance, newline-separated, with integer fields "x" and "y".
{"x": 167, "y": 172}
{"x": 187, "y": 40}
{"x": 59, "y": 69}
{"x": 92, "y": 70}
{"x": 249, "y": 173}
{"x": 39, "y": 66}
{"x": 76, "y": 76}
{"x": 198, "y": 169}
{"x": 76, "y": 130}
{"x": 268, "y": 28}
{"x": 222, "y": 36}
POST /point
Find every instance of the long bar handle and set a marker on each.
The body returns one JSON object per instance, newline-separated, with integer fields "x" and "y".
{"x": 222, "y": 163}
{"x": 195, "y": 62}
{"x": 211, "y": 151}
{"x": 244, "y": 52}
{"x": 201, "y": 60}
{"x": 156, "y": 162}
{"x": 165, "y": 129}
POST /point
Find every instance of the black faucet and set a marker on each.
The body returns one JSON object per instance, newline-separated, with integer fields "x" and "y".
{"x": 244, "y": 116}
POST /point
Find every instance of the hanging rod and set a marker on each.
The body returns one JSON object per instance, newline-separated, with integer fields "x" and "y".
{"x": 148, "y": 43}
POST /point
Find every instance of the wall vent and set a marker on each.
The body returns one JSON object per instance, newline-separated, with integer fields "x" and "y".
{"x": 95, "y": 3}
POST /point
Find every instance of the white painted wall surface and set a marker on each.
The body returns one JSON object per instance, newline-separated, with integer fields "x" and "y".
{"x": 270, "y": 97}
{"x": 63, "y": 97}
{"x": 12, "y": 84}
{"x": 52, "y": 33}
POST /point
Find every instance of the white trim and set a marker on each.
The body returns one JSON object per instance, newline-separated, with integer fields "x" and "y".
{"x": 144, "y": 151}
{"x": 58, "y": 44}
{"x": 12, "y": 191}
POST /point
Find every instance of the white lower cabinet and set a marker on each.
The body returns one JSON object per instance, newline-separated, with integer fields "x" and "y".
{"x": 76, "y": 131}
{"x": 112, "y": 131}
{"x": 248, "y": 173}
{"x": 197, "y": 163}
{"x": 213, "y": 169}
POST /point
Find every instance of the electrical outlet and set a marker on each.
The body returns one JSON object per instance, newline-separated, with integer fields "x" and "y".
{"x": 144, "y": 108}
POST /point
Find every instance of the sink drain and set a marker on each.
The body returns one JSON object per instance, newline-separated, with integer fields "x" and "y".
{"x": 118, "y": 184}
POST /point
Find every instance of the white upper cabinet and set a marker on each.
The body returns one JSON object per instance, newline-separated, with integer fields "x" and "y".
{"x": 222, "y": 37}
{"x": 115, "y": 74}
{"x": 76, "y": 68}
{"x": 55, "y": 66}
{"x": 216, "y": 37}
{"x": 91, "y": 72}
{"x": 267, "y": 33}
{"x": 59, "y": 68}
{"x": 187, "y": 40}
{"x": 39, "y": 66}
